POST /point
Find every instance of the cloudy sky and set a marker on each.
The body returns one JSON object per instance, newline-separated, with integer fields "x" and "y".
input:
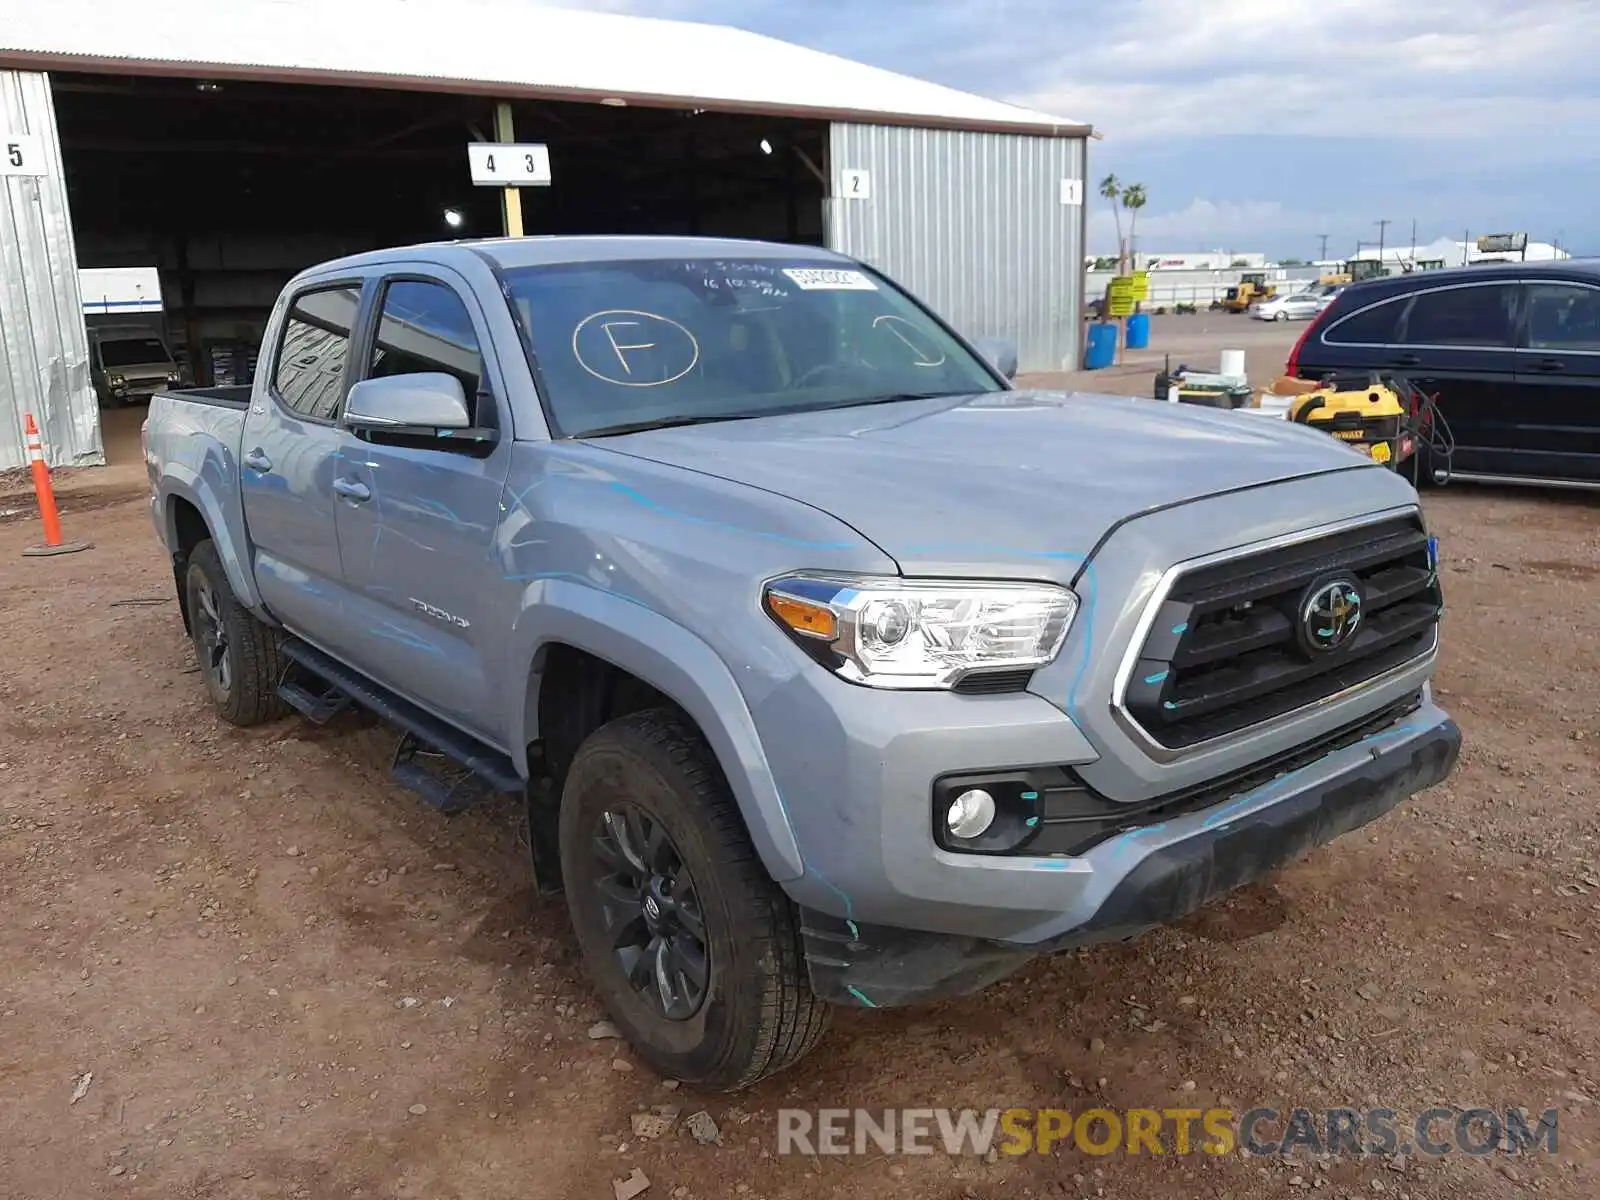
{"x": 1258, "y": 124}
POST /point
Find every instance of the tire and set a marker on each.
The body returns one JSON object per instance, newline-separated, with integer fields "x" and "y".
{"x": 648, "y": 780}
{"x": 1281, "y": 316}
{"x": 238, "y": 655}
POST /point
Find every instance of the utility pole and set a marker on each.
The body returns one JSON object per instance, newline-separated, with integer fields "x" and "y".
{"x": 1413, "y": 237}
{"x": 1323, "y": 256}
{"x": 1383, "y": 226}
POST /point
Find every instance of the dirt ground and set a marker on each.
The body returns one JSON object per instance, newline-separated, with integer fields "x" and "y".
{"x": 289, "y": 978}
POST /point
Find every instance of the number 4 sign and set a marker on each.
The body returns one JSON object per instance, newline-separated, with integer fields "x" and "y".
{"x": 507, "y": 164}
{"x": 854, "y": 184}
{"x": 22, "y": 154}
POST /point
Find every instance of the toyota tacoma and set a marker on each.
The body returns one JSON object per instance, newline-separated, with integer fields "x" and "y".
{"x": 832, "y": 668}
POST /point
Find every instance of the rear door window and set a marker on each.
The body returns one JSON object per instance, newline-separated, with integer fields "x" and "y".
{"x": 310, "y": 374}
{"x": 1374, "y": 326}
{"x": 1474, "y": 315}
{"x": 1563, "y": 316}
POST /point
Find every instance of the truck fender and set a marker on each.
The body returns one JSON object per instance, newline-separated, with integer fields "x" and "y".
{"x": 678, "y": 664}
{"x": 178, "y": 481}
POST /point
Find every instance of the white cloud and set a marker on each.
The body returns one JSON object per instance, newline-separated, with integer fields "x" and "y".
{"x": 1470, "y": 69}
{"x": 1230, "y": 224}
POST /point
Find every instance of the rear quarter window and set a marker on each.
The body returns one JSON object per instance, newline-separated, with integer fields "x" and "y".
{"x": 1366, "y": 325}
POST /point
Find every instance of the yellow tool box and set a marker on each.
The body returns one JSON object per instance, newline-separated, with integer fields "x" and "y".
{"x": 1373, "y": 417}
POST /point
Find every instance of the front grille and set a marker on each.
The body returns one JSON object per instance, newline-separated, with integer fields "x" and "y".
{"x": 1241, "y": 642}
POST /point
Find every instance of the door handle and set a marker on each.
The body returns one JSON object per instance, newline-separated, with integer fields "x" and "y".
{"x": 1549, "y": 364}
{"x": 257, "y": 461}
{"x": 1406, "y": 360}
{"x": 352, "y": 489}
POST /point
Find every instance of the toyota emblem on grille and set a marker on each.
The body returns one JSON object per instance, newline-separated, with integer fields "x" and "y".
{"x": 1330, "y": 615}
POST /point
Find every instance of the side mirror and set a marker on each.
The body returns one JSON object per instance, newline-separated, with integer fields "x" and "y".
{"x": 1001, "y": 353}
{"x": 407, "y": 403}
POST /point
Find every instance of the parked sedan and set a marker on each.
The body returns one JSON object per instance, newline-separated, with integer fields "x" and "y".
{"x": 1301, "y": 306}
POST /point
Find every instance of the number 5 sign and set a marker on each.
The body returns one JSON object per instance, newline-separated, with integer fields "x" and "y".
{"x": 22, "y": 154}
{"x": 507, "y": 164}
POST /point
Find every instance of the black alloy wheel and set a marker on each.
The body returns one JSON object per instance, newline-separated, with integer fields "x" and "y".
{"x": 652, "y": 914}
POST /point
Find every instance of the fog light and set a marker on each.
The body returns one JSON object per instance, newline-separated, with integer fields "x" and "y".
{"x": 970, "y": 813}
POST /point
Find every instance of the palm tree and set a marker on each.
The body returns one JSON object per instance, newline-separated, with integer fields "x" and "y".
{"x": 1111, "y": 189}
{"x": 1133, "y": 199}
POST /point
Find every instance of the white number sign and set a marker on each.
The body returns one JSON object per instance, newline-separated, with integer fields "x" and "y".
{"x": 855, "y": 185}
{"x": 22, "y": 154}
{"x": 507, "y": 164}
{"x": 1072, "y": 191}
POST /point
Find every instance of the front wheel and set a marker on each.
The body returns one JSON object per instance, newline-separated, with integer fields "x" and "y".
{"x": 694, "y": 951}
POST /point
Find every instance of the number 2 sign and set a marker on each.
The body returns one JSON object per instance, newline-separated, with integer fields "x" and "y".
{"x": 855, "y": 184}
{"x": 22, "y": 154}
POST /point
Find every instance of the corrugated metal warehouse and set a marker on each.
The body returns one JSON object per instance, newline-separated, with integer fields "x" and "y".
{"x": 230, "y": 145}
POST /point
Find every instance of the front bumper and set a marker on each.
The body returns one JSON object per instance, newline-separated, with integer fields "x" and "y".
{"x": 1146, "y": 877}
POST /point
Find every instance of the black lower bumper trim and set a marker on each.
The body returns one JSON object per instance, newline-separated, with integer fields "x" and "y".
{"x": 883, "y": 967}
{"x": 1177, "y": 879}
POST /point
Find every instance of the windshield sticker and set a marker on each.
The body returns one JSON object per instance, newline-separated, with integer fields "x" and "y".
{"x": 815, "y": 279}
{"x": 922, "y": 353}
{"x": 732, "y": 283}
{"x": 631, "y": 348}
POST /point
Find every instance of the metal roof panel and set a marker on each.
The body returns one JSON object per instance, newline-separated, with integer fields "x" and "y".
{"x": 496, "y": 47}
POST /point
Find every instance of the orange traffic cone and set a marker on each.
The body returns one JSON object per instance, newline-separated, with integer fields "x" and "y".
{"x": 47, "y": 501}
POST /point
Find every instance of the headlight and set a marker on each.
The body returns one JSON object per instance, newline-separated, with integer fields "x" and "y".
{"x": 116, "y": 381}
{"x": 908, "y": 633}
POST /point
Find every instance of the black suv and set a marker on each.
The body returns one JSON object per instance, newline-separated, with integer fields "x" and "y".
{"x": 1511, "y": 350}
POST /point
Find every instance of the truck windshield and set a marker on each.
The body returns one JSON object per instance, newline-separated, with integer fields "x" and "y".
{"x": 631, "y": 345}
{"x": 131, "y": 352}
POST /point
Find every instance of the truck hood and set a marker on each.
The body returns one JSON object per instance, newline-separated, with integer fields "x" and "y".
{"x": 992, "y": 484}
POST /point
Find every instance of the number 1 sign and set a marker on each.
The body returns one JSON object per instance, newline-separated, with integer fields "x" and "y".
{"x": 507, "y": 164}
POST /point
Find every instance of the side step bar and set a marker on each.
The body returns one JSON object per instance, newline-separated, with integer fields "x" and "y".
{"x": 1577, "y": 485}
{"x": 449, "y": 769}
{"x": 489, "y": 765}
{"x": 313, "y": 697}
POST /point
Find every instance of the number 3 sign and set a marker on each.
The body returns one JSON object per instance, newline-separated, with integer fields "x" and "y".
{"x": 507, "y": 164}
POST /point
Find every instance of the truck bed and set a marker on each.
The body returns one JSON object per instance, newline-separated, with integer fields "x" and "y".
{"x": 232, "y": 396}
{"x": 194, "y": 433}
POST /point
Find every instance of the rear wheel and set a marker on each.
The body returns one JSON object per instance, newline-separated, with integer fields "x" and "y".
{"x": 694, "y": 951}
{"x": 238, "y": 654}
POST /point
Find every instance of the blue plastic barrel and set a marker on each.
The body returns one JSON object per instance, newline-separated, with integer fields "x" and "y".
{"x": 1138, "y": 331}
{"x": 1101, "y": 350}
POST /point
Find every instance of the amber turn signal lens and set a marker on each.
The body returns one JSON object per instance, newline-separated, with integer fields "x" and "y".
{"x": 802, "y": 616}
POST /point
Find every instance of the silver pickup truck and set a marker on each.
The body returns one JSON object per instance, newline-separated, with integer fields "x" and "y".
{"x": 832, "y": 669}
